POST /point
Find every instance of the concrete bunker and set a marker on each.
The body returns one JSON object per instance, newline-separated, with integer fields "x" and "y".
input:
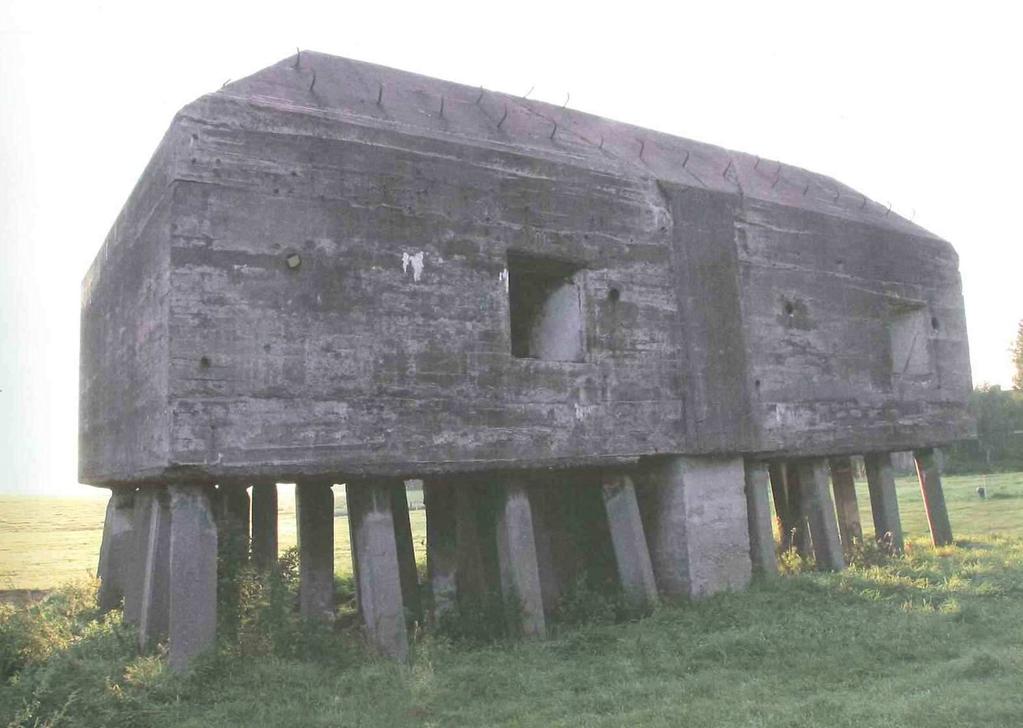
{"x": 584, "y": 357}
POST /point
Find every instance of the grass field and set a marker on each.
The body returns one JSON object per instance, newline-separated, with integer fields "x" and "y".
{"x": 45, "y": 542}
{"x": 933, "y": 639}
{"x": 49, "y": 541}
{"x": 930, "y": 640}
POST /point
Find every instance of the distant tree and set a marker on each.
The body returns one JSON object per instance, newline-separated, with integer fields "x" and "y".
{"x": 1017, "y": 359}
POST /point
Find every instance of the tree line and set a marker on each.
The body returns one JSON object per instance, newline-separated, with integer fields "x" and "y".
{"x": 999, "y": 413}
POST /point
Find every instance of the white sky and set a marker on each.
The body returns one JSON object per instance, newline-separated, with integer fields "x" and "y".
{"x": 907, "y": 103}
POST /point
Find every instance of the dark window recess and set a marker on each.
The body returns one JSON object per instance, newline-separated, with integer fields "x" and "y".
{"x": 546, "y": 315}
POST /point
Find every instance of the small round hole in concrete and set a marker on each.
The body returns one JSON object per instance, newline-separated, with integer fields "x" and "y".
{"x": 789, "y": 308}
{"x": 613, "y": 295}
{"x": 935, "y": 324}
{"x": 204, "y": 362}
{"x": 294, "y": 260}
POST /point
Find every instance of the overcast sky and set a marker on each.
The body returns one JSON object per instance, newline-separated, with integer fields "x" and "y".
{"x": 908, "y": 103}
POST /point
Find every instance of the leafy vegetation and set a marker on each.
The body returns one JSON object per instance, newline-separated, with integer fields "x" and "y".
{"x": 1017, "y": 359}
{"x": 999, "y": 444}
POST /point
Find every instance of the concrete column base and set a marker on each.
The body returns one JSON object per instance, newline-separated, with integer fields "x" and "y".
{"x": 788, "y": 506}
{"x": 406, "y": 552}
{"x": 758, "y": 514}
{"x": 264, "y": 525}
{"x": 115, "y": 553}
{"x": 934, "y": 496}
{"x": 543, "y": 502}
{"x": 378, "y": 572}
{"x": 884, "y": 503}
{"x": 694, "y": 515}
{"x": 154, "y": 613}
{"x": 441, "y": 547}
{"x": 843, "y": 484}
{"x": 478, "y": 581}
{"x": 635, "y": 572}
{"x": 193, "y": 574}
{"x": 516, "y": 556}
{"x": 233, "y": 520}
{"x": 314, "y": 513}
{"x": 820, "y": 514}
{"x": 135, "y": 568}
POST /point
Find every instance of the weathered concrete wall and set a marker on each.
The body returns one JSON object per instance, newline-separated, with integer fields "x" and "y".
{"x": 356, "y": 360}
{"x": 727, "y": 305}
{"x": 124, "y": 414}
{"x": 819, "y": 295}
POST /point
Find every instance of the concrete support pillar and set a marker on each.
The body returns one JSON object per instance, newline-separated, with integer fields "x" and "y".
{"x": 758, "y": 516}
{"x": 193, "y": 574}
{"x": 820, "y": 514}
{"x": 884, "y": 503}
{"x": 233, "y": 520}
{"x": 635, "y": 572}
{"x": 788, "y": 505}
{"x": 135, "y": 569}
{"x": 543, "y": 507}
{"x": 377, "y": 569}
{"x": 934, "y": 497}
{"x": 115, "y": 553}
{"x": 314, "y": 513}
{"x": 154, "y": 611}
{"x": 843, "y": 483}
{"x": 694, "y": 515}
{"x": 441, "y": 546}
{"x": 406, "y": 552}
{"x": 516, "y": 556}
{"x": 477, "y": 559}
{"x": 264, "y": 525}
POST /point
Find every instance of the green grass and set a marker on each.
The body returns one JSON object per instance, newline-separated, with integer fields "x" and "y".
{"x": 933, "y": 639}
{"x": 45, "y": 542}
{"x": 49, "y": 541}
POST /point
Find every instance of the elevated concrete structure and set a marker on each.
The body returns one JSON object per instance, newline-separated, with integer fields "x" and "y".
{"x": 337, "y": 272}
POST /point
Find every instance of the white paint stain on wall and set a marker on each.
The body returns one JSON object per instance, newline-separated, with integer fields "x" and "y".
{"x": 416, "y": 261}
{"x": 504, "y": 277}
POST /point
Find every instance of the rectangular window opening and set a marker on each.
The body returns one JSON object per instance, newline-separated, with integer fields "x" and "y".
{"x": 545, "y": 308}
{"x": 909, "y": 332}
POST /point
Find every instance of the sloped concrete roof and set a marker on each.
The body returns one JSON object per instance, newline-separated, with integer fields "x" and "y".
{"x": 377, "y": 96}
